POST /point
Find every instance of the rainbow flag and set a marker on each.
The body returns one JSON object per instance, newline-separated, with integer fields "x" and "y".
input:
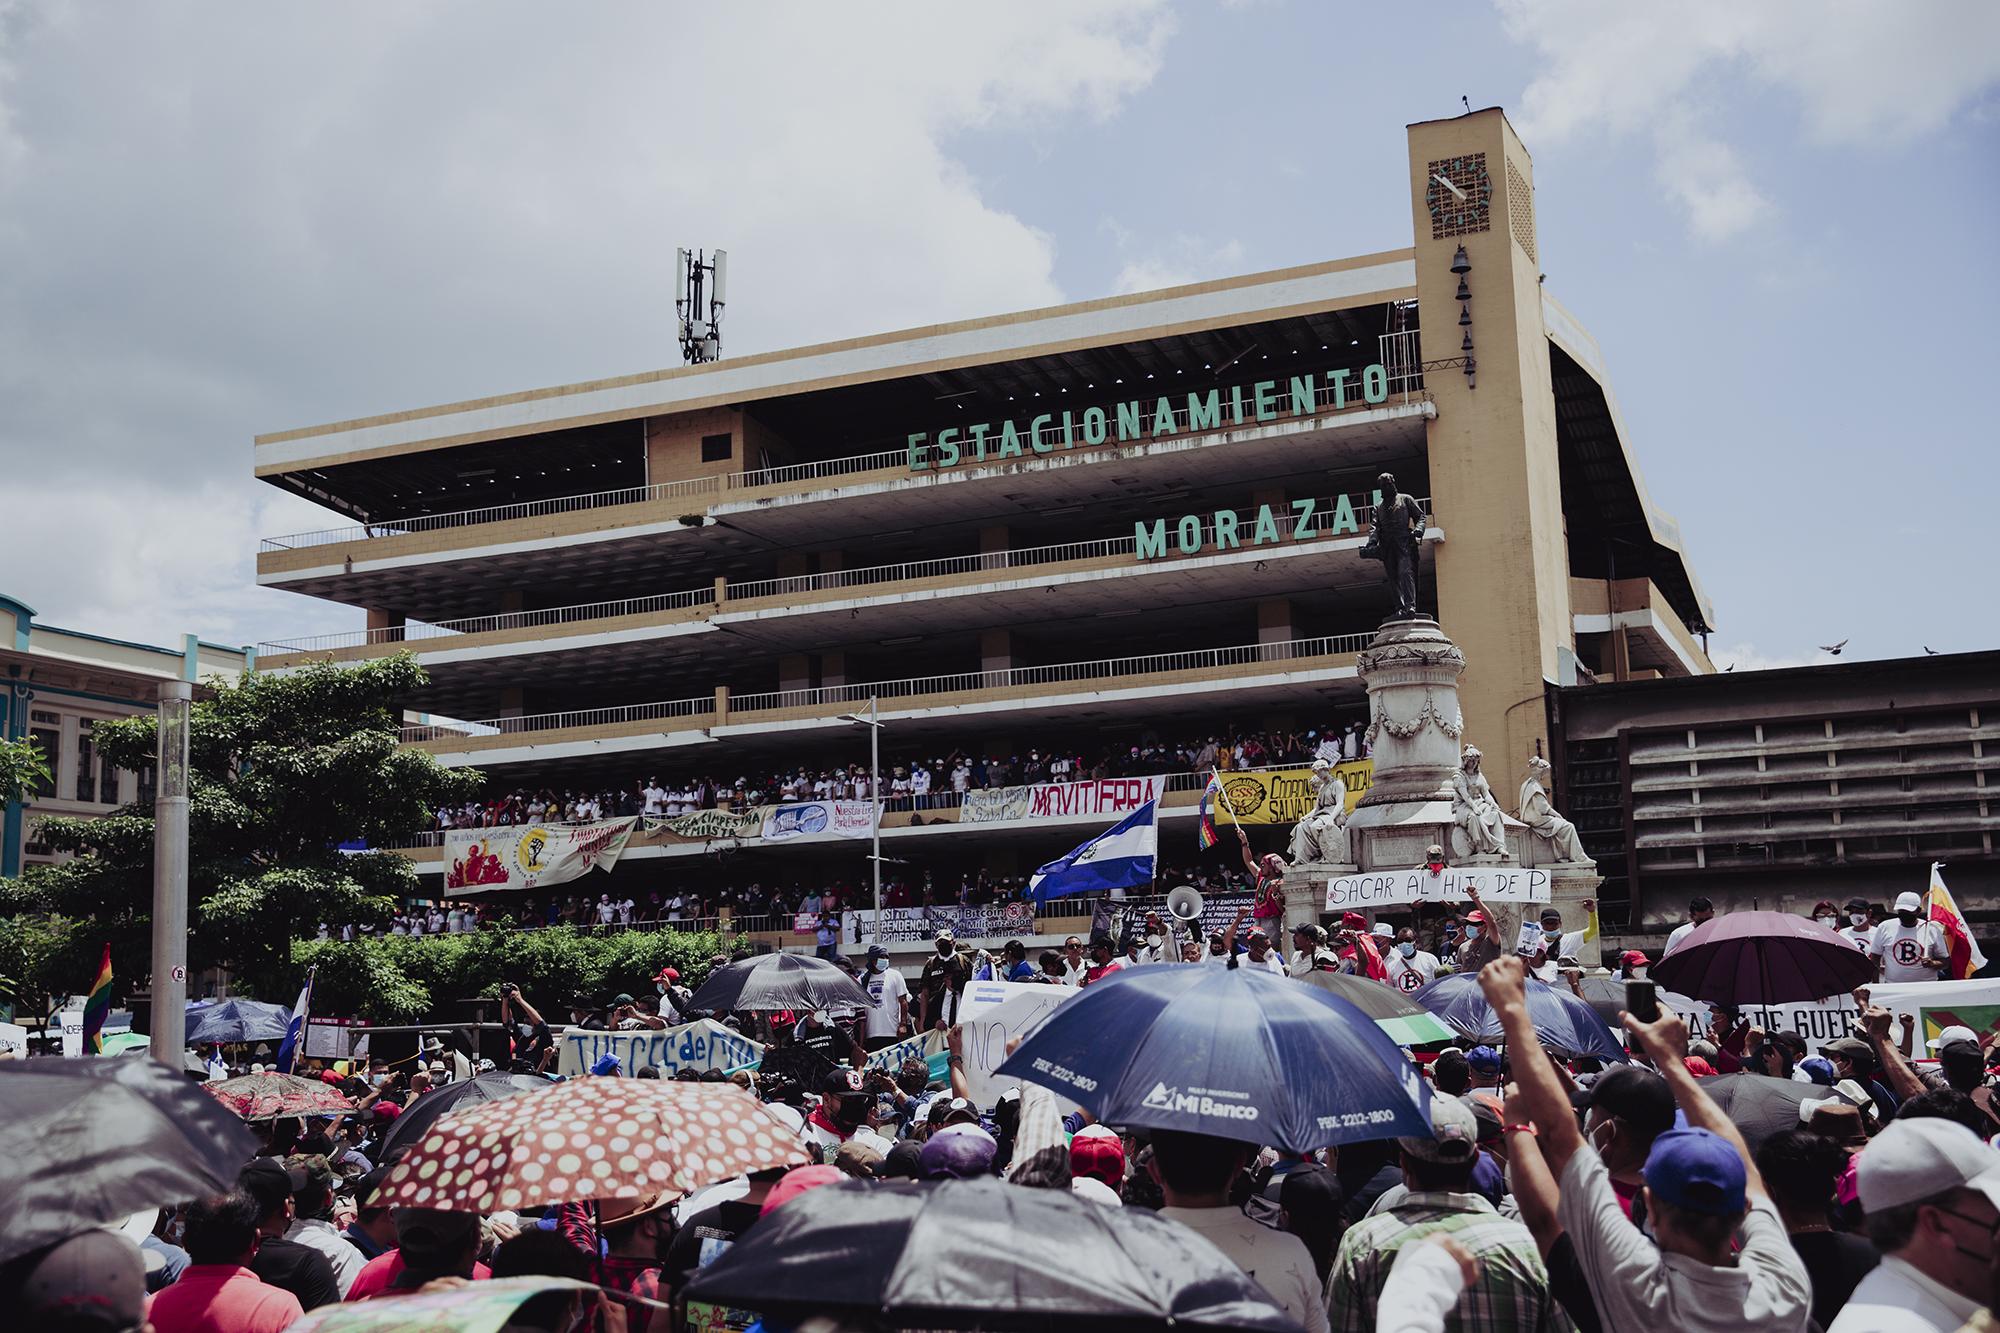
{"x": 97, "y": 1007}
{"x": 1942, "y": 908}
{"x": 1206, "y": 835}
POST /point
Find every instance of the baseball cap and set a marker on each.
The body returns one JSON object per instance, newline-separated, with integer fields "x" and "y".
{"x": 1477, "y": 918}
{"x": 269, "y": 1181}
{"x": 385, "y": 1110}
{"x": 1454, "y": 1135}
{"x": 1819, "y": 1069}
{"x": 1099, "y": 1154}
{"x": 1637, "y": 1096}
{"x": 957, "y": 1152}
{"x": 1484, "y": 1058}
{"x": 859, "y": 1157}
{"x": 98, "y": 1272}
{"x": 1093, "y": 1190}
{"x": 1856, "y": 905}
{"x": 1956, "y": 1032}
{"x": 877, "y": 951}
{"x": 1852, "y": 1048}
{"x": 961, "y": 1106}
{"x": 1909, "y": 902}
{"x": 426, "y": 1235}
{"x": 1486, "y": 1113}
{"x": 1911, "y": 1161}
{"x": 841, "y": 1083}
{"x": 1353, "y": 921}
{"x": 1699, "y": 1171}
{"x": 944, "y": 933}
{"x": 667, "y": 974}
{"x": 1633, "y": 958}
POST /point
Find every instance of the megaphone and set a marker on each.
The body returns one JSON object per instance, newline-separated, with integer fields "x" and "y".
{"x": 1184, "y": 904}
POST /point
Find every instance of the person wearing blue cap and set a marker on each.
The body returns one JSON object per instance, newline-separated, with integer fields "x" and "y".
{"x": 1484, "y": 1062}
{"x": 1701, "y": 1193}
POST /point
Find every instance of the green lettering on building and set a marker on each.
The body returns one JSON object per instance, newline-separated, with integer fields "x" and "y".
{"x": 1149, "y": 543}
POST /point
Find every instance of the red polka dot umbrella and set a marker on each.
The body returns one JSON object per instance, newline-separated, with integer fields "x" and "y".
{"x": 591, "y": 1138}
{"x": 271, "y": 1095}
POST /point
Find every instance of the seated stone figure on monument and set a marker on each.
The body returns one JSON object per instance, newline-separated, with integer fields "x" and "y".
{"x": 1539, "y": 814}
{"x": 1481, "y": 828}
{"x": 1321, "y": 836}
{"x": 1395, "y": 536}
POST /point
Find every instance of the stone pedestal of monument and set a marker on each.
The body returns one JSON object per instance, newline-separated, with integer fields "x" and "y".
{"x": 1305, "y": 890}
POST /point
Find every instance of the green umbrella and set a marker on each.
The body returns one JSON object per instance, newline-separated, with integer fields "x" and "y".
{"x": 1405, "y": 1021}
{"x": 121, "y": 1042}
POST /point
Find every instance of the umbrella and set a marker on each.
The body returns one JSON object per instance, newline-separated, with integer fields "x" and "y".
{"x": 1226, "y": 1051}
{"x": 418, "y": 1117}
{"x": 274, "y": 1096}
{"x": 120, "y": 1042}
{"x": 477, "y": 1308}
{"x": 90, "y": 1141}
{"x": 237, "y": 1020}
{"x": 776, "y": 981}
{"x": 1407, "y": 1022}
{"x": 1563, "y": 1022}
{"x": 590, "y": 1138}
{"x": 1763, "y": 958}
{"x": 984, "y": 1254}
{"x": 1606, "y": 998}
{"x": 1758, "y": 1105}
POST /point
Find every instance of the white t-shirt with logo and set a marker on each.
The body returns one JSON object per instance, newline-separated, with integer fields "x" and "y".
{"x": 1902, "y": 949}
{"x": 1412, "y": 973}
{"x": 886, "y": 990}
{"x": 1858, "y": 936}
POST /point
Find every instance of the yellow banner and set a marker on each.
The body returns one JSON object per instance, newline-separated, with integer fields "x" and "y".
{"x": 1285, "y": 795}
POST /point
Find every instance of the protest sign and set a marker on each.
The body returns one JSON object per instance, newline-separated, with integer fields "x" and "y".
{"x": 990, "y": 1014}
{"x": 72, "y": 1031}
{"x": 705, "y": 826}
{"x": 701, "y": 1046}
{"x": 921, "y": 1047}
{"x": 1389, "y": 888}
{"x": 819, "y": 819}
{"x": 1934, "y": 1006}
{"x": 1060, "y": 800}
{"x": 1286, "y": 795}
{"x": 14, "y": 1040}
{"x": 920, "y": 924}
{"x": 483, "y": 860}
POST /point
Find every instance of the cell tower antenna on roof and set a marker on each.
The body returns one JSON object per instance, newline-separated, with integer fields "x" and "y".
{"x": 701, "y": 324}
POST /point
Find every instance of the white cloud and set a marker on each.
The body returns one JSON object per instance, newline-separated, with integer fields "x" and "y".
{"x": 1749, "y": 657}
{"x": 1172, "y": 261}
{"x": 243, "y": 219}
{"x": 1870, "y": 72}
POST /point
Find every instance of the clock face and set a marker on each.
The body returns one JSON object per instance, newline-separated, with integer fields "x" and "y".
{"x": 1451, "y": 215}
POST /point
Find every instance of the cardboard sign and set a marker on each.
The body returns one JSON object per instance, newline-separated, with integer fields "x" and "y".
{"x": 991, "y": 1013}
{"x": 14, "y": 1040}
{"x": 701, "y": 1046}
{"x": 1388, "y": 888}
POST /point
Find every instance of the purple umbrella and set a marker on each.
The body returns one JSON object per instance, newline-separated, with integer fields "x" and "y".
{"x": 1763, "y": 958}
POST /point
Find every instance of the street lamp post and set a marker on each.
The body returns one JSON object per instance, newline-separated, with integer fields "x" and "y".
{"x": 875, "y": 798}
{"x": 170, "y": 874}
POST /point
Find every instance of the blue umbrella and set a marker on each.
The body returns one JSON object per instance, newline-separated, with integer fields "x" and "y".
{"x": 1229, "y": 1052}
{"x": 237, "y": 1020}
{"x": 1563, "y": 1021}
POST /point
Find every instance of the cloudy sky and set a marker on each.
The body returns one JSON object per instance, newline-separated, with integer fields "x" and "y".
{"x": 219, "y": 220}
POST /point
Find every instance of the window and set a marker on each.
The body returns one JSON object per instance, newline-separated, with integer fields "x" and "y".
{"x": 86, "y": 764}
{"x": 716, "y": 448}
{"x": 51, "y": 743}
{"x": 149, "y": 786}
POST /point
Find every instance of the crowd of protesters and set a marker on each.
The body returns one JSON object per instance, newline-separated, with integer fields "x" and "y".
{"x": 912, "y": 781}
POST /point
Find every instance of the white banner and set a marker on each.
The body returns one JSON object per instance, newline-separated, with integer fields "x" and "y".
{"x": 819, "y": 819}
{"x": 991, "y": 1013}
{"x": 1389, "y": 888}
{"x": 701, "y": 1046}
{"x": 1060, "y": 800}
{"x": 14, "y": 1040}
{"x": 921, "y": 1047}
{"x": 72, "y": 1031}
{"x": 482, "y": 860}
{"x": 908, "y": 925}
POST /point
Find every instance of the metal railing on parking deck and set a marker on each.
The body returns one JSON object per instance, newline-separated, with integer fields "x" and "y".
{"x": 417, "y": 631}
{"x": 465, "y": 518}
{"x": 587, "y": 717}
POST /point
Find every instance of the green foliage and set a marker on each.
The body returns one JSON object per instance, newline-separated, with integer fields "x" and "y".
{"x": 23, "y": 768}
{"x": 409, "y": 978}
{"x": 283, "y": 769}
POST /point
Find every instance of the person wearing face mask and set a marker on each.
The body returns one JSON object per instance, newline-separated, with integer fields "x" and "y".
{"x": 1930, "y": 1191}
{"x": 1556, "y": 944}
{"x": 944, "y": 976}
{"x": 1627, "y": 1109}
{"x": 1410, "y": 968}
{"x": 1910, "y": 948}
{"x": 1857, "y": 923}
{"x": 842, "y": 1114}
{"x": 1824, "y": 913}
{"x": 888, "y": 1000}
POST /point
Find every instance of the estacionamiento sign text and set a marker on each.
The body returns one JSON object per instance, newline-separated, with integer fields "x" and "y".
{"x": 1137, "y": 419}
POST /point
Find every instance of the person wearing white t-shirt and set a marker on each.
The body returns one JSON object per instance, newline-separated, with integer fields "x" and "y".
{"x": 1258, "y": 955}
{"x": 1910, "y": 948}
{"x": 656, "y": 797}
{"x": 888, "y": 1000}
{"x": 1859, "y": 928}
{"x": 1700, "y": 910}
{"x": 607, "y": 911}
{"x": 1410, "y": 968}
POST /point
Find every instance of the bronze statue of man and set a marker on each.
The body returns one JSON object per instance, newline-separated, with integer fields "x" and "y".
{"x": 1394, "y": 539}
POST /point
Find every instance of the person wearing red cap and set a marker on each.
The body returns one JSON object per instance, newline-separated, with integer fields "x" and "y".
{"x": 1098, "y": 1154}
{"x": 1482, "y": 936}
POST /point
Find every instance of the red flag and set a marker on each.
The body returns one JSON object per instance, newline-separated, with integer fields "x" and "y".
{"x": 1370, "y": 958}
{"x": 1966, "y": 957}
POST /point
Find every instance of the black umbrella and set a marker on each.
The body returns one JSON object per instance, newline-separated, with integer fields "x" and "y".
{"x": 421, "y": 1114}
{"x": 1606, "y": 997}
{"x": 775, "y": 981}
{"x": 92, "y": 1141}
{"x": 1759, "y": 1105}
{"x": 237, "y": 1020}
{"x": 981, "y": 1254}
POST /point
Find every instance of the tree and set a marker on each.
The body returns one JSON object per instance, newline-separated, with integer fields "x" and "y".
{"x": 283, "y": 770}
{"x": 23, "y": 769}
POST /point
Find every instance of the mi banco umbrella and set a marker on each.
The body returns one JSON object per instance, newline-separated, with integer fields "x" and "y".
{"x": 1229, "y": 1052}
{"x": 1563, "y": 1022}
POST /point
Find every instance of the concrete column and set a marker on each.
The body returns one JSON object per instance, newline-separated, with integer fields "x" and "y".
{"x": 721, "y": 705}
{"x": 390, "y": 623}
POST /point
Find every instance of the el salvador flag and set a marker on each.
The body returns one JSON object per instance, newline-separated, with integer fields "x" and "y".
{"x": 1117, "y": 858}
{"x": 295, "y": 1031}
